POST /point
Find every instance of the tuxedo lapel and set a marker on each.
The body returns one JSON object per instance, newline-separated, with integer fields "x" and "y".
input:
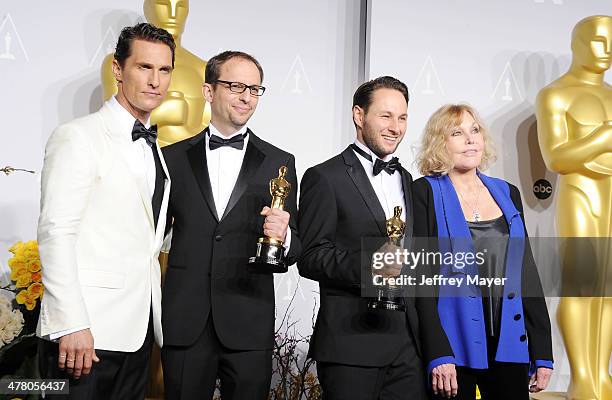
{"x": 406, "y": 182}
{"x": 361, "y": 181}
{"x": 126, "y": 150}
{"x": 159, "y": 230}
{"x": 197, "y": 159}
{"x": 253, "y": 157}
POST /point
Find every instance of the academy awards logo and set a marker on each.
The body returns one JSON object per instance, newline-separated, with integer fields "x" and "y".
{"x": 106, "y": 46}
{"x": 11, "y": 46}
{"x": 507, "y": 88}
{"x": 296, "y": 81}
{"x": 428, "y": 81}
{"x": 542, "y": 189}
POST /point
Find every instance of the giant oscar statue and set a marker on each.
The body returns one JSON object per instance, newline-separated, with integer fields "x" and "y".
{"x": 184, "y": 112}
{"x": 574, "y": 116}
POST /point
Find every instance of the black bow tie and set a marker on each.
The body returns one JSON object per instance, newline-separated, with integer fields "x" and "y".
{"x": 236, "y": 142}
{"x": 389, "y": 167}
{"x": 139, "y": 131}
{"x": 379, "y": 165}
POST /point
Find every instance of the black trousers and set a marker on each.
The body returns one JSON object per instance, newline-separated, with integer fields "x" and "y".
{"x": 402, "y": 379}
{"x": 118, "y": 375}
{"x": 191, "y": 372}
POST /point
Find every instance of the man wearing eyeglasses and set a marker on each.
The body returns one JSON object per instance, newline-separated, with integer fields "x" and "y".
{"x": 217, "y": 314}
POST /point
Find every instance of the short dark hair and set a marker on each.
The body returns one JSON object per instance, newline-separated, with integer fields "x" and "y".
{"x": 213, "y": 66}
{"x": 142, "y": 31}
{"x": 363, "y": 94}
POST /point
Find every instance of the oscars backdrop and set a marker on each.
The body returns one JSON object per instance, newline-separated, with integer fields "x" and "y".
{"x": 495, "y": 55}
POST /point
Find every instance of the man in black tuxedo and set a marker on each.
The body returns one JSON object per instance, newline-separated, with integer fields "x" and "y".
{"x": 362, "y": 353}
{"x": 217, "y": 315}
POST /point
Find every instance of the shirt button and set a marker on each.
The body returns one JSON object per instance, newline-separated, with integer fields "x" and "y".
{"x": 517, "y": 317}
{"x": 218, "y": 238}
{"x": 511, "y": 295}
{"x": 523, "y": 338}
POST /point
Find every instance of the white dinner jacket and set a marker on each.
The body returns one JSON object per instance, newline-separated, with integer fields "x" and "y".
{"x": 98, "y": 244}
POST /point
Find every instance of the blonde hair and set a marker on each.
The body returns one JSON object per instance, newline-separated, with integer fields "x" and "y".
{"x": 433, "y": 158}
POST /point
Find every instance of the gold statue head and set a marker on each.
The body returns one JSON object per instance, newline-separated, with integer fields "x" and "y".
{"x": 167, "y": 14}
{"x": 279, "y": 189}
{"x": 592, "y": 43}
{"x": 395, "y": 225}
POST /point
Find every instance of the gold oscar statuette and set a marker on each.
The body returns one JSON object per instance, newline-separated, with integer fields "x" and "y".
{"x": 574, "y": 117}
{"x": 270, "y": 254}
{"x": 389, "y": 297}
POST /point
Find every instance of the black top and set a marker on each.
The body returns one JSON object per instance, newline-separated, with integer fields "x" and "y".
{"x": 491, "y": 239}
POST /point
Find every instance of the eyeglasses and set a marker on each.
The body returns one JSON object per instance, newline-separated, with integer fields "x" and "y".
{"x": 239, "y": 87}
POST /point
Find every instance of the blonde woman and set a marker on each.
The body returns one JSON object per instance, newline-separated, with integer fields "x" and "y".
{"x": 500, "y": 334}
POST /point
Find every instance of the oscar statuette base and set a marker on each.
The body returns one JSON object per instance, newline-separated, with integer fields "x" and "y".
{"x": 269, "y": 258}
{"x": 385, "y": 301}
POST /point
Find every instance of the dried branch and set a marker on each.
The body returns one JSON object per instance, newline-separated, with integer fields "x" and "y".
{"x": 8, "y": 170}
{"x": 293, "y": 371}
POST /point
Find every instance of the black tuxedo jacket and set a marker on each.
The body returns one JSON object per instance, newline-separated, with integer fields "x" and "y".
{"x": 207, "y": 268}
{"x": 338, "y": 207}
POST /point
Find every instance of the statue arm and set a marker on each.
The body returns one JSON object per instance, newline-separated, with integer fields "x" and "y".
{"x": 562, "y": 154}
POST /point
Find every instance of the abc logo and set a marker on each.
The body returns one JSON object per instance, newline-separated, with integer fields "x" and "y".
{"x": 542, "y": 189}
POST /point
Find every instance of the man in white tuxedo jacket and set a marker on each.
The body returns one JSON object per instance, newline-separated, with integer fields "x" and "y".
{"x": 105, "y": 191}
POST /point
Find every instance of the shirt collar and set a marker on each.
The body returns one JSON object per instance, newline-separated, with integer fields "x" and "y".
{"x": 125, "y": 119}
{"x": 214, "y": 131}
{"x": 374, "y": 156}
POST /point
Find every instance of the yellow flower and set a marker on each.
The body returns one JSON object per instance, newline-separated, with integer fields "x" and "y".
{"x": 24, "y": 279}
{"x": 36, "y": 290}
{"x": 25, "y": 298}
{"x": 37, "y": 277}
{"x": 16, "y": 262}
{"x": 17, "y": 270}
{"x": 25, "y": 268}
{"x": 22, "y": 297}
{"x": 31, "y": 249}
{"x": 17, "y": 247}
{"x": 31, "y": 253}
{"x": 34, "y": 265}
{"x": 30, "y": 304}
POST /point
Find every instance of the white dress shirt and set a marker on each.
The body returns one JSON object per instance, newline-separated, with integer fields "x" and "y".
{"x": 388, "y": 188}
{"x": 141, "y": 163}
{"x": 224, "y": 165}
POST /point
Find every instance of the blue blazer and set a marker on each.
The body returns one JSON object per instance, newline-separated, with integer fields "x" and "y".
{"x": 525, "y": 326}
